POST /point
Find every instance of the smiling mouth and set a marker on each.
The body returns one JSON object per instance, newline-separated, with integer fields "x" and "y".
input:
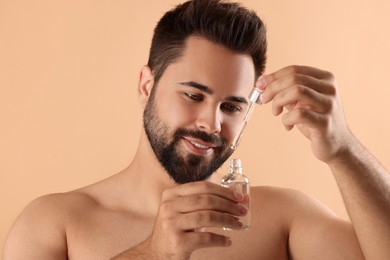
{"x": 200, "y": 145}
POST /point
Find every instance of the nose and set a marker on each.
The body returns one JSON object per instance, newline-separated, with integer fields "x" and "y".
{"x": 209, "y": 120}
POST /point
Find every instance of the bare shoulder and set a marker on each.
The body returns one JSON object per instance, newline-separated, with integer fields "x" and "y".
{"x": 290, "y": 201}
{"x": 282, "y": 208}
{"x": 39, "y": 232}
{"x": 311, "y": 226}
{"x": 298, "y": 212}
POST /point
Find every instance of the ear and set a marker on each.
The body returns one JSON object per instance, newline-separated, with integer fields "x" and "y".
{"x": 145, "y": 85}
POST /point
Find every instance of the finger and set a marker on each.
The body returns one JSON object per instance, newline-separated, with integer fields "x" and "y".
{"x": 199, "y": 202}
{"x": 319, "y": 85}
{"x": 300, "y": 96}
{"x": 203, "y": 187}
{"x": 306, "y": 117}
{"x": 196, "y": 240}
{"x": 293, "y": 80}
{"x": 207, "y": 218}
{"x": 320, "y": 80}
{"x": 299, "y": 70}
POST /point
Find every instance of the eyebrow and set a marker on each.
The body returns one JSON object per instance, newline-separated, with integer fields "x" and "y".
{"x": 207, "y": 90}
{"x": 197, "y": 85}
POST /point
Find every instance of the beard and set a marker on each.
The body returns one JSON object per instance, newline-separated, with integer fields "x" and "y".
{"x": 182, "y": 168}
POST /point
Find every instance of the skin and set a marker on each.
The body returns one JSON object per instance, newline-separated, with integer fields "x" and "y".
{"x": 118, "y": 218}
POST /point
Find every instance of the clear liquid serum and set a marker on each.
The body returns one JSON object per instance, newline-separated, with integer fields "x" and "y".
{"x": 237, "y": 181}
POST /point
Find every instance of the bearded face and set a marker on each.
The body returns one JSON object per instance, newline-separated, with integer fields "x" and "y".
{"x": 167, "y": 144}
{"x": 197, "y": 108}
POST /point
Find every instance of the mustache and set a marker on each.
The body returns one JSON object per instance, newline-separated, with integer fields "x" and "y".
{"x": 209, "y": 138}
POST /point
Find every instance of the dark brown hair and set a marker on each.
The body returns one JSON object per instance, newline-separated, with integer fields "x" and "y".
{"x": 225, "y": 23}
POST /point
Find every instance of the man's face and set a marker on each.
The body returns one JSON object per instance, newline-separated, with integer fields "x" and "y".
{"x": 197, "y": 108}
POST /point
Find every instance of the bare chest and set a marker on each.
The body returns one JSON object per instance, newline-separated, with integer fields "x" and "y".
{"x": 103, "y": 236}
{"x": 248, "y": 244}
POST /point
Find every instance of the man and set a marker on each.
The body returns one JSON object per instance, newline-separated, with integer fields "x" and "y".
{"x": 206, "y": 56}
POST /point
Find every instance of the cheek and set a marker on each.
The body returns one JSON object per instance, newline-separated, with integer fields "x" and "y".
{"x": 177, "y": 114}
{"x": 231, "y": 128}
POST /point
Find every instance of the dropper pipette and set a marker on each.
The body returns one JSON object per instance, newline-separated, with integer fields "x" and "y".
{"x": 254, "y": 98}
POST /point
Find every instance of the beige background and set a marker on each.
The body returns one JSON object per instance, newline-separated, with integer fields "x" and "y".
{"x": 69, "y": 69}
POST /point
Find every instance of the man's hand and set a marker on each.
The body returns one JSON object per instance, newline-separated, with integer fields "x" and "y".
{"x": 311, "y": 98}
{"x": 183, "y": 212}
{"x": 310, "y": 95}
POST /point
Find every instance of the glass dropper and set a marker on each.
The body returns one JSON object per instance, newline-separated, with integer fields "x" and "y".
{"x": 254, "y": 98}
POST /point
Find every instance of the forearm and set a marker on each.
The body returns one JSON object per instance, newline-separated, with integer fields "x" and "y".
{"x": 365, "y": 186}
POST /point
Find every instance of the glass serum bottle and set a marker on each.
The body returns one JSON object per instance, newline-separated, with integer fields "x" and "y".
{"x": 238, "y": 182}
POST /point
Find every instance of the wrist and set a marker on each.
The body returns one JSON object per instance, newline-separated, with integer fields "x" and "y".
{"x": 141, "y": 252}
{"x": 346, "y": 153}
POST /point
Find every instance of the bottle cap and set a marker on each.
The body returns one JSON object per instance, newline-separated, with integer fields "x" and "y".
{"x": 235, "y": 164}
{"x": 254, "y": 96}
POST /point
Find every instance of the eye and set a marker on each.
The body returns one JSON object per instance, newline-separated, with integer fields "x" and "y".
{"x": 194, "y": 97}
{"x": 231, "y": 108}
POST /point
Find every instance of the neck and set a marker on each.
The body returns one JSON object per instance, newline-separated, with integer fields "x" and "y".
{"x": 146, "y": 177}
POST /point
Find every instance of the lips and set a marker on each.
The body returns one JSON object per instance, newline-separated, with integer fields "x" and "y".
{"x": 199, "y": 147}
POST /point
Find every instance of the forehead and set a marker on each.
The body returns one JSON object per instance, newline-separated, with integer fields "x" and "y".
{"x": 215, "y": 66}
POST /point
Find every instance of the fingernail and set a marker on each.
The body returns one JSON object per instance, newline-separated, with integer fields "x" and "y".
{"x": 239, "y": 223}
{"x": 228, "y": 241}
{"x": 274, "y": 111}
{"x": 263, "y": 98}
{"x": 200, "y": 229}
{"x": 238, "y": 195}
{"x": 261, "y": 83}
{"x": 243, "y": 210}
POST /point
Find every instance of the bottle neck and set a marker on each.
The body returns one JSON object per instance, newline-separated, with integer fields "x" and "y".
{"x": 235, "y": 171}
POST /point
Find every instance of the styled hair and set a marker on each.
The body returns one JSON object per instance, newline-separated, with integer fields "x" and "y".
{"x": 224, "y": 23}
